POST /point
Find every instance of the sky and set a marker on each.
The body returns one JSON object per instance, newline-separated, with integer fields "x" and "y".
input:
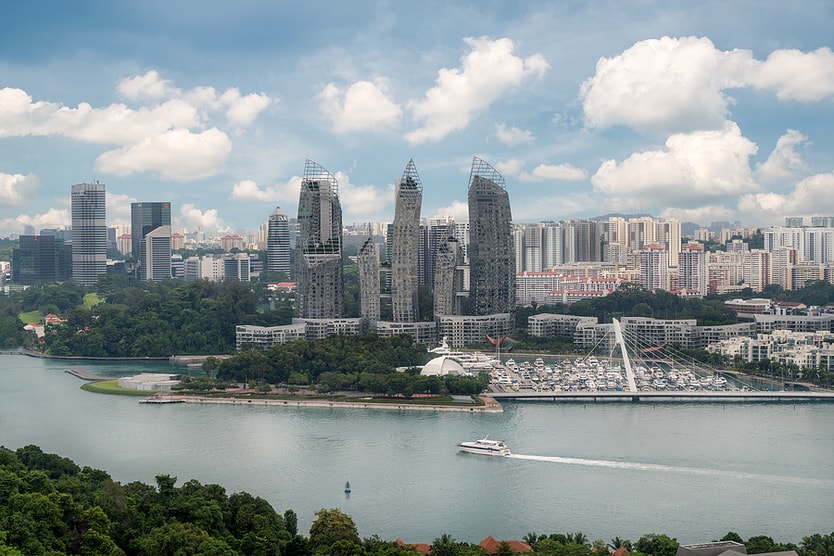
{"x": 701, "y": 111}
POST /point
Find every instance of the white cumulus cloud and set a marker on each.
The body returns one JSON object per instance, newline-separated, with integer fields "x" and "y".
{"x": 797, "y": 75}
{"x": 709, "y": 213}
{"x": 283, "y": 193}
{"x": 458, "y": 210}
{"x": 811, "y": 196}
{"x": 554, "y": 172}
{"x": 693, "y": 168}
{"x": 784, "y": 161}
{"x": 365, "y": 105}
{"x": 208, "y": 220}
{"x": 241, "y": 110}
{"x": 512, "y": 136}
{"x": 488, "y": 71}
{"x": 171, "y": 135}
{"x": 51, "y": 218}
{"x": 360, "y": 201}
{"x": 17, "y": 189}
{"x": 178, "y": 155}
{"x": 679, "y": 84}
{"x": 665, "y": 84}
{"x": 149, "y": 86}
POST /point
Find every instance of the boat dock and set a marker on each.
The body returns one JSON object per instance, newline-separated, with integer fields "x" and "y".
{"x": 85, "y": 375}
{"x": 668, "y": 396}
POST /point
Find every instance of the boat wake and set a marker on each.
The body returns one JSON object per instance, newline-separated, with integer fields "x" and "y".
{"x": 638, "y": 466}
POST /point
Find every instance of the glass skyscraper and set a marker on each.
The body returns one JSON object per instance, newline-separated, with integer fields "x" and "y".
{"x": 278, "y": 242}
{"x": 151, "y": 240}
{"x": 318, "y": 247}
{"x": 405, "y": 245}
{"x": 89, "y": 233}
{"x": 491, "y": 249}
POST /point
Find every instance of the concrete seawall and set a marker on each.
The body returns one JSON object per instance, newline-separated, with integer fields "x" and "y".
{"x": 490, "y": 404}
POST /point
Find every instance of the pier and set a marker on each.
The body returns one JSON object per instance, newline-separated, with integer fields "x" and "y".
{"x": 85, "y": 375}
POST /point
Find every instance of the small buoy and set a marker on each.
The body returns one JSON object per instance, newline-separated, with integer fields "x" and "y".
{"x": 347, "y": 487}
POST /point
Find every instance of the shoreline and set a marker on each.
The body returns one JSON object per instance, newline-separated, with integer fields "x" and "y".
{"x": 490, "y": 404}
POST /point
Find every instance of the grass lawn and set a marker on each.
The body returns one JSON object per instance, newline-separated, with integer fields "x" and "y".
{"x": 91, "y": 300}
{"x": 112, "y": 387}
{"x": 31, "y": 316}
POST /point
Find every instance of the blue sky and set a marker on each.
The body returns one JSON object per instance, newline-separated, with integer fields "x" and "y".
{"x": 717, "y": 111}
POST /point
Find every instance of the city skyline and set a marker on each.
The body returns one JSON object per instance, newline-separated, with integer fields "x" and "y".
{"x": 700, "y": 113}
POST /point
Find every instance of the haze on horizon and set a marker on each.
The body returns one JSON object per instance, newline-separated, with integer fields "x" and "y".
{"x": 709, "y": 112}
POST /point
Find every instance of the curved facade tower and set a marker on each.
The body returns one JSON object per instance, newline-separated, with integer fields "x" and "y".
{"x": 278, "y": 242}
{"x": 319, "y": 246}
{"x": 491, "y": 249}
{"x": 405, "y": 245}
{"x": 368, "y": 267}
{"x": 447, "y": 259}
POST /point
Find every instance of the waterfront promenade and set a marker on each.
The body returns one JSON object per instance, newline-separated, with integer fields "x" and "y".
{"x": 490, "y": 405}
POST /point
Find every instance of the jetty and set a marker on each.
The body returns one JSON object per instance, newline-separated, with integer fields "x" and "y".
{"x": 86, "y": 375}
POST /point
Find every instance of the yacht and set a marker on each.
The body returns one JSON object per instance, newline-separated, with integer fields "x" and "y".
{"x": 486, "y": 447}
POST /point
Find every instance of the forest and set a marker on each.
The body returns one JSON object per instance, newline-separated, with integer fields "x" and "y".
{"x": 122, "y": 317}
{"x": 51, "y": 505}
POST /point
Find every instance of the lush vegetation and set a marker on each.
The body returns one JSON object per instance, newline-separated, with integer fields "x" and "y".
{"x": 365, "y": 363}
{"x": 122, "y": 317}
{"x": 50, "y": 505}
{"x": 127, "y": 318}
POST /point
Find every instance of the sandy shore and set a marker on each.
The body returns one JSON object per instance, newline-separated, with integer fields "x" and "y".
{"x": 490, "y": 404}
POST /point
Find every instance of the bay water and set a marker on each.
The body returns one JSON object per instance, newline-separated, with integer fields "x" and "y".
{"x": 692, "y": 471}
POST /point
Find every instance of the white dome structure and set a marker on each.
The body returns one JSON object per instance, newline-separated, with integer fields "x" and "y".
{"x": 443, "y": 365}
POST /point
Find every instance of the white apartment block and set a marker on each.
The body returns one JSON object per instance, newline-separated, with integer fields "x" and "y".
{"x": 460, "y": 331}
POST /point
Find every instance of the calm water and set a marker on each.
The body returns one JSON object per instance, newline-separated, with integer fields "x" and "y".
{"x": 692, "y": 471}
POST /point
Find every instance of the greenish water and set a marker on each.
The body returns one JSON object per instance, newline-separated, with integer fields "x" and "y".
{"x": 692, "y": 471}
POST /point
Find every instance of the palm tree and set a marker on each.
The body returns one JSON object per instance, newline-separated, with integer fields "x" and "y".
{"x": 533, "y": 538}
{"x": 617, "y": 542}
{"x": 577, "y": 538}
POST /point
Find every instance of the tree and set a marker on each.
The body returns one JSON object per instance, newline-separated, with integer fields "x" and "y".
{"x": 657, "y": 545}
{"x": 331, "y": 526}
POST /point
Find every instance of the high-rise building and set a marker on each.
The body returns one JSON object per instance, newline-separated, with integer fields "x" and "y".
{"x": 278, "y": 242}
{"x": 491, "y": 252}
{"x": 236, "y": 266}
{"x": 405, "y": 245}
{"x": 654, "y": 268}
{"x": 151, "y": 238}
{"x": 89, "y": 233}
{"x": 368, "y": 270}
{"x": 551, "y": 245}
{"x": 447, "y": 261}
{"x": 41, "y": 259}
{"x": 692, "y": 269}
{"x": 319, "y": 246}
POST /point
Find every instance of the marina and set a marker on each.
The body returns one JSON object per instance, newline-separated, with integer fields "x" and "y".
{"x": 648, "y": 374}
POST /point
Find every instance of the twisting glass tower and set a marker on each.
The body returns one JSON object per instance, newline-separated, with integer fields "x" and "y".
{"x": 368, "y": 267}
{"x": 319, "y": 246}
{"x": 448, "y": 257}
{"x": 405, "y": 245}
{"x": 491, "y": 250}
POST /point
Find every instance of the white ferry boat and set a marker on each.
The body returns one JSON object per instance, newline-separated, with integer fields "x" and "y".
{"x": 485, "y": 447}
